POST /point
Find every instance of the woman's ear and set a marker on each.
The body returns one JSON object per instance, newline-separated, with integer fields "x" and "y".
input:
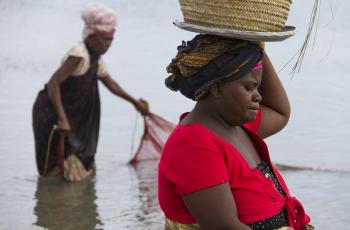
{"x": 216, "y": 90}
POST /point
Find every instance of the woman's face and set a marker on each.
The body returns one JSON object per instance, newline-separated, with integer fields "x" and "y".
{"x": 100, "y": 43}
{"x": 238, "y": 101}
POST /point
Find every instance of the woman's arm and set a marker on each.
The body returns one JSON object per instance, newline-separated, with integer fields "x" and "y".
{"x": 53, "y": 87}
{"x": 214, "y": 208}
{"x": 275, "y": 106}
{"x": 117, "y": 90}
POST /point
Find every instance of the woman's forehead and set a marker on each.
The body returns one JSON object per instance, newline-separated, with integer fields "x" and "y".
{"x": 253, "y": 76}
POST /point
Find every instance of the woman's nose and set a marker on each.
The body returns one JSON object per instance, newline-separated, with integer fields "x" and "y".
{"x": 257, "y": 96}
{"x": 107, "y": 44}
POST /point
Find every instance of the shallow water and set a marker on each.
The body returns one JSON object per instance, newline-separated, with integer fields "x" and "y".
{"x": 36, "y": 34}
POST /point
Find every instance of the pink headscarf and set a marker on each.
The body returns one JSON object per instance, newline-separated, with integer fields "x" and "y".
{"x": 98, "y": 19}
{"x": 257, "y": 67}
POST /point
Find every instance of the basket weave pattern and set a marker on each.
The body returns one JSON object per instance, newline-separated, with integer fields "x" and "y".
{"x": 247, "y": 15}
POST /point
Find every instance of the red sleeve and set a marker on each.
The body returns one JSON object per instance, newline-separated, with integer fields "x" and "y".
{"x": 194, "y": 160}
{"x": 255, "y": 124}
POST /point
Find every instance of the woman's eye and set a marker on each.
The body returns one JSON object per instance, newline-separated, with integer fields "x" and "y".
{"x": 250, "y": 87}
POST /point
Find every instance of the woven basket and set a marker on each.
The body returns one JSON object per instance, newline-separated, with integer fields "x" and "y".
{"x": 246, "y": 15}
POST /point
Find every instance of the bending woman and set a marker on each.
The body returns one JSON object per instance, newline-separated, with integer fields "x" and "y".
{"x": 69, "y": 105}
{"x": 215, "y": 171}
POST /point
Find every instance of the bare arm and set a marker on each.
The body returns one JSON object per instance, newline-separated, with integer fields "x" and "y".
{"x": 275, "y": 106}
{"x": 53, "y": 86}
{"x": 215, "y": 209}
{"x": 117, "y": 90}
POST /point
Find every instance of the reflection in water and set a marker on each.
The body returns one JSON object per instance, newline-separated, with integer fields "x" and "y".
{"x": 69, "y": 206}
{"x": 149, "y": 214}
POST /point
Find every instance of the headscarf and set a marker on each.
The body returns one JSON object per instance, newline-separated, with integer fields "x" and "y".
{"x": 208, "y": 59}
{"x": 98, "y": 19}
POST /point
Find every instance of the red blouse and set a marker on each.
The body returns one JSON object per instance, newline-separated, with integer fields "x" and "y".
{"x": 194, "y": 158}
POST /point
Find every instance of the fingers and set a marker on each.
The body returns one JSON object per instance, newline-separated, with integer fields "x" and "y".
{"x": 262, "y": 45}
{"x": 63, "y": 127}
{"x": 143, "y": 101}
{"x": 143, "y": 106}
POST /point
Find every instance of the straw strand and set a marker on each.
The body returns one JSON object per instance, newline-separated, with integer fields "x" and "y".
{"x": 298, "y": 64}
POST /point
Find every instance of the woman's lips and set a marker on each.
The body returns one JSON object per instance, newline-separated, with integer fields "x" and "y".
{"x": 255, "y": 108}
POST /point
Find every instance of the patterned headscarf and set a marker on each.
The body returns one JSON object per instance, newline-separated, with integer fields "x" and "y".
{"x": 98, "y": 19}
{"x": 208, "y": 59}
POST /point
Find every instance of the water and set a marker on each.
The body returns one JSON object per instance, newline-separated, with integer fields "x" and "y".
{"x": 36, "y": 34}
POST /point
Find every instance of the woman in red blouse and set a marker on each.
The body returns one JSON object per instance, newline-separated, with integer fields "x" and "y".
{"x": 215, "y": 171}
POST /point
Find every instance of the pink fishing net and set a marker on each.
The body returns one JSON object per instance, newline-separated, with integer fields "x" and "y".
{"x": 156, "y": 132}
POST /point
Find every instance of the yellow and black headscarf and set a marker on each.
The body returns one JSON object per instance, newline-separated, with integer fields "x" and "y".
{"x": 208, "y": 59}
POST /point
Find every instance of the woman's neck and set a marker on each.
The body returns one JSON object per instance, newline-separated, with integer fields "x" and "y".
{"x": 206, "y": 115}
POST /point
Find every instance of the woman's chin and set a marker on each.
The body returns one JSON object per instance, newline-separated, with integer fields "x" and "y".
{"x": 251, "y": 116}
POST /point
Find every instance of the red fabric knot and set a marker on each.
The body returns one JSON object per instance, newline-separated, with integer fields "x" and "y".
{"x": 296, "y": 213}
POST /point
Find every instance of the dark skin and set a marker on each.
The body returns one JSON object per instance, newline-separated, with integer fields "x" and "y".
{"x": 99, "y": 45}
{"x": 223, "y": 111}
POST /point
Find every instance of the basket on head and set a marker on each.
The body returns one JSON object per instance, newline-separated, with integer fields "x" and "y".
{"x": 249, "y": 15}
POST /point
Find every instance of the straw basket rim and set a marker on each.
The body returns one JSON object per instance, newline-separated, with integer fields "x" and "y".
{"x": 287, "y": 32}
{"x": 244, "y": 15}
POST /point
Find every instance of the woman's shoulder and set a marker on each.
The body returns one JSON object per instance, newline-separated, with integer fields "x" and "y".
{"x": 78, "y": 50}
{"x": 191, "y": 139}
{"x": 192, "y": 132}
{"x": 192, "y": 148}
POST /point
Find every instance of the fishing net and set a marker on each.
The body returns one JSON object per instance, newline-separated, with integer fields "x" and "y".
{"x": 156, "y": 132}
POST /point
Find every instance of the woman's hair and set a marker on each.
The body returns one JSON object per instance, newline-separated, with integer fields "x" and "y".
{"x": 208, "y": 59}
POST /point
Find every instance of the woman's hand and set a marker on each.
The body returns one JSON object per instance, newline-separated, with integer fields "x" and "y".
{"x": 141, "y": 106}
{"x": 63, "y": 127}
